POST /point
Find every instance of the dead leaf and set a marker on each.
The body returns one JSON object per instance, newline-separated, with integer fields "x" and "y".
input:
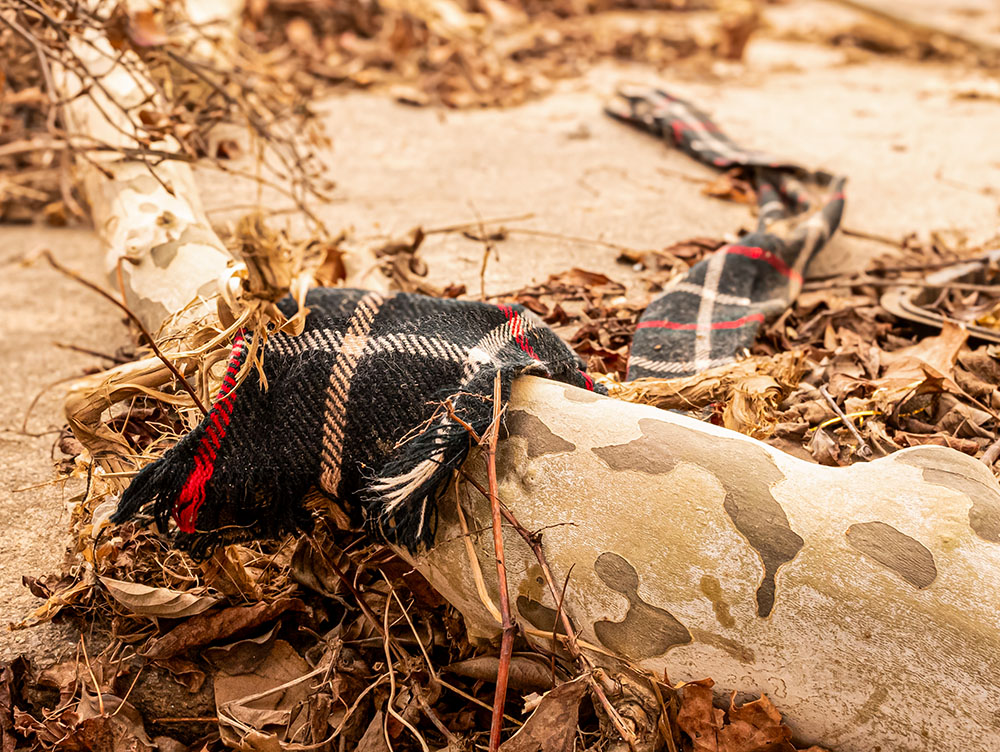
{"x": 145, "y": 29}
{"x": 312, "y": 569}
{"x": 552, "y": 725}
{"x": 157, "y": 601}
{"x": 752, "y": 727}
{"x": 755, "y": 727}
{"x": 109, "y": 704}
{"x": 272, "y": 699}
{"x": 731, "y": 186}
{"x": 373, "y": 739}
{"x": 207, "y": 628}
{"x": 824, "y": 448}
{"x": 242, "y": 656}
{"x": 225, "y": 572}
{"x": 105, "y": 724}
{"x": 526, "y": 674}
{"x": 185, "y": 672}
{"x": 698, "y": 717}
{"x": 905, "y": 366}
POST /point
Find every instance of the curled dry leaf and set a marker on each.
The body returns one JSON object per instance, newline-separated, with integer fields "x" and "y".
{"x": 526, "y": 673}
{"x": 225, "y": 572}
{"x": 761, "y": 381}
{"x": 207, "y": 628}
{"x": 753, "y": 727}
{"x": 157, "y": 601}
{"x": 242, "y": 656}
{"x": 128, "y": 721}
{"x": 373, "y": 739}
{"x": 698, "y": 717}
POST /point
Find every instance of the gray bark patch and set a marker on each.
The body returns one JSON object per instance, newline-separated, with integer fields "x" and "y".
{"x": 746, "y": 472}
{"x": 164, "y": 254}
{"x": 539, "y": 615}
{"x": 965, "y": 475}
{"x": 906, "y": 556}
{"x": 539, "y": 437}
{"x": 646, "y": 631}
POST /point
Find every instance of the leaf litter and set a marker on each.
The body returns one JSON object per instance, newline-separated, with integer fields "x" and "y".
{"x": 298, "y": 643}
{"x": 331, "y": 641}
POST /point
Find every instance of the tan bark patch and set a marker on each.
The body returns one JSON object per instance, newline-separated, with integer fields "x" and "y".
{"x": 960, "y": 473}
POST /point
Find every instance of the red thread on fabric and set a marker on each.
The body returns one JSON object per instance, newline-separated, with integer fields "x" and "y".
{"x": 516, "y": 328}
{"x": 192, "y": 495}
{"x": 680, "y": 127}
{"x": 753, "y": 318}
{"x": 759, "y": 254}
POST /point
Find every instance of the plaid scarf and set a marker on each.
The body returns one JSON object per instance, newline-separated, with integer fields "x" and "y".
{"x": 709, "y": 316}
{"x": 372, "y": 403}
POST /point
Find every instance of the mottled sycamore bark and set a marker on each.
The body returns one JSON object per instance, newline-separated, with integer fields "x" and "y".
{"x": 862, "y": 600}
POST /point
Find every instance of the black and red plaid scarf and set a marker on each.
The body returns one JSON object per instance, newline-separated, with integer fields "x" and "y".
{"x": 711, "y": 314}
{"x": 372, "y": 403}
{"x": 369, "y": 404}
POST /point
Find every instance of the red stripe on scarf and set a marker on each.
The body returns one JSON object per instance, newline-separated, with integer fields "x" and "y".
{"x": 192, "y": 495}
{"x": 516, "y": 328}
{"x": 759, "y": 254}
{"x": 753, "y": 318}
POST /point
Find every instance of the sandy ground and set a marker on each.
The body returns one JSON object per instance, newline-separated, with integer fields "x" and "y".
{"x": 39, "y": 309}
{"x": 918, "y": 158}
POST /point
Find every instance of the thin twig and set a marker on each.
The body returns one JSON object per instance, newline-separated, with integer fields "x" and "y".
{"x": 864, "y": 451}
{"x": 488, "y": 248}
{"x": 478, "y": 223}
{"x": 93, "y": 677}
{"x": 864, "y": 281}
{"x": 87, "y": 351}
{"x": 900, "y": 269}
{"x": 534, "y": 541}
{"x": 188, "y": 719}
{"x": 851, "y": 232}
{"x": 135, "y": 319}
{"x": 991, "y": 454}
{"x": 507, "y": 624}
{"x": 571, "y": 238}
{"x": 392, "y": 684}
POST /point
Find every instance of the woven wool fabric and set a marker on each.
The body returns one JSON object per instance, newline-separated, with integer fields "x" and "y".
{"x": 709, "y": 316}
{"x": 363, "y": 403}
{"x": 356, "y": 405}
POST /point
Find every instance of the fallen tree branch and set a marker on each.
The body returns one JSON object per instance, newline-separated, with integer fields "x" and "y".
{"x": 700, "y": 552}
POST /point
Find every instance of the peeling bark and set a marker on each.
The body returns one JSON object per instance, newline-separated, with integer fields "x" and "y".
{"x": 860, "y": 599}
